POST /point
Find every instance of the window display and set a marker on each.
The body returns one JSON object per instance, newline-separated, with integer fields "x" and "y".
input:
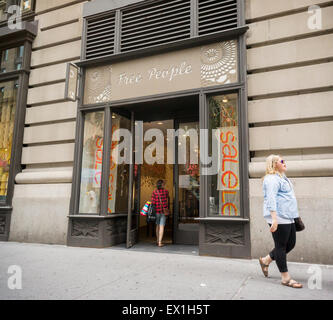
{"x": 119, "y": 171}
{"x": 8, "y": 94}
{"x": 92, "y": 156}
{"x": 189, "y": 177}
{"x": 224, "y": 187}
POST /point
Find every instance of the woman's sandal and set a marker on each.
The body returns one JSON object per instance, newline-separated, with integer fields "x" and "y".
{"x": 161, "y": 244}
{"x": 292, "y": 283}
{"x": 263, "y": 266}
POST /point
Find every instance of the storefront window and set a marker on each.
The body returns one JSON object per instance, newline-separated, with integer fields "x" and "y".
{"x": 25, "y": 6}
{"x": 92, "y": 156}
{"x": 224, "y": 188}
{"x": 119, "y": 170}
{"x": 8, "y": 94}
{"x": 189, "y": 177}
{"x": 11, "y": 59}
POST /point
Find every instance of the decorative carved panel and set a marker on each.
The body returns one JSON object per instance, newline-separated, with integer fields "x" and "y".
{"x": 111, "y": 228}
{"x": 219, "y": 63}
{"x": 2, "y": 225}
{"x": 116, "y": 226}
{"x": 88, "y": 229}
{"x": 224, "y": 234}
{"x": 98, "y": 85}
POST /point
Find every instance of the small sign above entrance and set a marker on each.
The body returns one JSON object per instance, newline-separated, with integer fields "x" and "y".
{"x": 204, "y": 66}
{"x": 72, "y": 75}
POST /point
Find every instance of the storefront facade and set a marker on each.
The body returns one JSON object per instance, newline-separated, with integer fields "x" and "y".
{"x": 247, "y": 69}
{"x": 202, "y": 71}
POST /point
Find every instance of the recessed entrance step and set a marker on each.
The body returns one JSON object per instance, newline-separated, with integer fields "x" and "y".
{"x": 168, "y": 248}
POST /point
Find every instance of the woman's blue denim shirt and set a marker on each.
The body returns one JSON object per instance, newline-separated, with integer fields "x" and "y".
{"x": 279, "y": 196}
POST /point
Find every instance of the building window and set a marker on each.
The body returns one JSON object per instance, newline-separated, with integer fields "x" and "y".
{"x": 91, "y": 173}
{"x": 21, "y": 51}
{"x": 8, "y": 94}
{"x": 11, "y": 59}
{"x": 224, "y": 187}
{"x": 26, "y": 6}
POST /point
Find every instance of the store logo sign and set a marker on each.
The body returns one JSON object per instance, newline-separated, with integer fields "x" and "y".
{"x": 72, "y": 75}
{"x": 155, "y": 74}
{"x": 192, "y": 68}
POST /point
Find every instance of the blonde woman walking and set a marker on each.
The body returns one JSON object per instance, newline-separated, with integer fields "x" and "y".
{"x": 280, "y": 209}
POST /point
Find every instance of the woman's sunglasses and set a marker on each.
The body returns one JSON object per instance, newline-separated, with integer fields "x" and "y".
{"x": 283, "y": 161}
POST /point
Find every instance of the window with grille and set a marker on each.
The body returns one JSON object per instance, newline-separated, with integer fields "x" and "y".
{"x": 100, "y": 36}
{"x": 155, "y": 23}
{"x": 216, "y": 15}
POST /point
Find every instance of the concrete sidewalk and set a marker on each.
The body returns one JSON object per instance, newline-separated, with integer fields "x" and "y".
{"x": 147, "y": 272}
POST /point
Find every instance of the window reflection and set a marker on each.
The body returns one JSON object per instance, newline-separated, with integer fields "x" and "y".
{"x": 11, "y": 59}
{"x": 8, "y": 94}
{"x": 189, "y": 177}
{"x": 92, "y": 156}
{"x": 119, "y": 170}
{"x": 24, "y": 5}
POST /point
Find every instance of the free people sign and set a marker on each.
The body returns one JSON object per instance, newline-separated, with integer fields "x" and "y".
{"x": 209, "y": 65}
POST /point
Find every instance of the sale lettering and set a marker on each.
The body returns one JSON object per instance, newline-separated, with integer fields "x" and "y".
{"x": 98, "y": 162}
{"x": 228, "y": 177}
{"x": 113, "y": 172}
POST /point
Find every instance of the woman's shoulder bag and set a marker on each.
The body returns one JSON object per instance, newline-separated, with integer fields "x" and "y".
{"x": 299, "y": 225}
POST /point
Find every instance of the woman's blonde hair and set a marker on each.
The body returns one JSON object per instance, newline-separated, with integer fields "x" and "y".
{"x": 271, "y": 164}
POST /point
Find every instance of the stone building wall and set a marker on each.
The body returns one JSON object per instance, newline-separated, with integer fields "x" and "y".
{"x": 43, "y": 189}
{"x": 290, "y": 107}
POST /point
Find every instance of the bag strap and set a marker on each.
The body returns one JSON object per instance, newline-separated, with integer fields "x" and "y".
{"x": 160, "y": 201}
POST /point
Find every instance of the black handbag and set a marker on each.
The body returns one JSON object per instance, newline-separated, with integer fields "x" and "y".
{"x": 299, "y": 225}
{"x": 151, "y": 214}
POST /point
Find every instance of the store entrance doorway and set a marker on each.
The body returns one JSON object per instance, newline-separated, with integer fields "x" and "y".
{"x": 149, "y": 175}
{"x": 182, "y": 178}
{"x": 182, "y": 183}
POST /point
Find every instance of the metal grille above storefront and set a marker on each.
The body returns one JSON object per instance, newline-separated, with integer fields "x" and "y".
{"x": 100, "y": 35}
{"x": 217, "y": 15}
{"x": 155, "y": 23}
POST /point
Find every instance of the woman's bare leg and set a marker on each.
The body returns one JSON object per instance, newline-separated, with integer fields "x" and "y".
{"x": 157, "y": 233}
{"x": 267, "y": 260}
{"x": 284, "y": 275}
{"x": 161, "y": 232}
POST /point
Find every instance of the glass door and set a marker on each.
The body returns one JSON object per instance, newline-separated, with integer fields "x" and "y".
{"x": 186, "y": 182}
{"x": 121, "y": 177}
